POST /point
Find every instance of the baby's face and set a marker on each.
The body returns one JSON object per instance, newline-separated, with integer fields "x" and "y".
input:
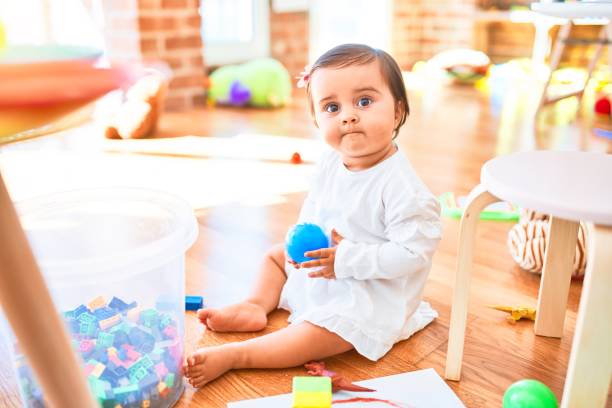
{"x": 355, "y": 110}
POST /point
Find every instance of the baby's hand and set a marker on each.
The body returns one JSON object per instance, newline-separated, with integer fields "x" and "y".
{"x": 325, "y": 258}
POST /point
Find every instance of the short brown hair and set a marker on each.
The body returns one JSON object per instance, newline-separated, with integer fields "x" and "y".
{"x": 359, "y": 54}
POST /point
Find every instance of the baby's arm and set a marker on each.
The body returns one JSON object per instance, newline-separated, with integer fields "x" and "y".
{"x": 413, "y": 231}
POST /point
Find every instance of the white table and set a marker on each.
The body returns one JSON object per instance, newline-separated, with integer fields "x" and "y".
{"x": 581, "y": 9}
{"x": 571, "y": 187}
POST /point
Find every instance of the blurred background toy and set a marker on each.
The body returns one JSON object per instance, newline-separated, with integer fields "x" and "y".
{"x": 464, "y": 66}
{"x": 262, "y": 82}
{"x": 139, "y": 115}
{"x": 453, "y": 208}
{"x": 602, "y": 106}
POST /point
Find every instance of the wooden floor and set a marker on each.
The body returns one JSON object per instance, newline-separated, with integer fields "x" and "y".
{"x": 450, "y": 133}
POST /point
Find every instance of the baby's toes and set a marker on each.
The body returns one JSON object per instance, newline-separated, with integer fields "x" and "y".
{"x": 196, "y": 371}
{"x": 196, "y": 359}
{"x": 198, "y": 382}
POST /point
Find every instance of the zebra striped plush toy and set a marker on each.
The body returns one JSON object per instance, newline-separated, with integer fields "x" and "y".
{"x": 528, "y": 239}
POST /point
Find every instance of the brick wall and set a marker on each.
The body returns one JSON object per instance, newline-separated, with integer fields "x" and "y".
{"x": 419, "y": 30}
{"x": 289, "y": 35}
{"x": 407, "y": 32}
{"x": 509, "y": 40}
{"x": 166, "y": 30}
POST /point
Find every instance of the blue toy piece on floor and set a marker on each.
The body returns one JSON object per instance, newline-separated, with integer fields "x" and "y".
{"x": 193, "y": 302}
{"x": 303, "y": 238}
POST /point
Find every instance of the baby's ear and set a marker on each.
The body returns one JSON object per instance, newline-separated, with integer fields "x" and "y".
{"x": 399, "y": 110}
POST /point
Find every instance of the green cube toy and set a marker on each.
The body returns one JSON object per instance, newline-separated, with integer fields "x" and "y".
{"x": 312, "y": 392}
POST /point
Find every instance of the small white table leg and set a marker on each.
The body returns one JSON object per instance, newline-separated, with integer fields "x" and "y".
{"x": 590, "y": 365}
{"x": 478, "y": 199}
{"x": 556, "y": 277}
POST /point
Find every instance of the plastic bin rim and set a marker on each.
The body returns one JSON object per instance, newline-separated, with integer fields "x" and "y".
{"x": 139, "y": 260}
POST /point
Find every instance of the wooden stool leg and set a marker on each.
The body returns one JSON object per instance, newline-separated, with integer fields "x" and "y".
{"x": 555, "y": 58}
{"x": 478, "y": 199}
{"x": 556, "y": 277}
{"x": 37, "y": 325}
{"x": 590, "y": 364}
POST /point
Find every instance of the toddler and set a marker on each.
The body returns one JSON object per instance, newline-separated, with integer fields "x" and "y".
{"x": 365, "y": 293}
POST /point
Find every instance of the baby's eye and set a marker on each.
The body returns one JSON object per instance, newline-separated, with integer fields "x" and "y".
{"x": 363, "y": 102}
{"x": 331, "y": 108}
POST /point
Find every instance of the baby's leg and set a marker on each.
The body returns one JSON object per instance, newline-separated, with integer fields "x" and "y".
{"x": 252, "y": 314}
{"x": 291, "y": 346}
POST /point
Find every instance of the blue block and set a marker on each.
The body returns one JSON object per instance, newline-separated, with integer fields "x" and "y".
{"x": 121, "y": 338}
{"x": 79, "y": 310}
{"x": 148, "y": 382}
{"x": 143, "y": 341}
{"x": 119, "y": 305}
{"x": 194, "y": 302}
{"x": 104, "y": 313}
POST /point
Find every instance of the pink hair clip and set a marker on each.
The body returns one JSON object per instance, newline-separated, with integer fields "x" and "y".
{"x": 304, "y": 77}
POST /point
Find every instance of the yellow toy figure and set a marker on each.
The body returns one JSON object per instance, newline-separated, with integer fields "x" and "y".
{"x": 517, "y": 312}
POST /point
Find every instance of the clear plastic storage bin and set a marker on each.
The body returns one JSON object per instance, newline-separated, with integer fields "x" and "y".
{"x": 114, "y": 262}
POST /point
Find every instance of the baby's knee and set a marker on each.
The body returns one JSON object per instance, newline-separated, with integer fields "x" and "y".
{"x": 277, "y": 254}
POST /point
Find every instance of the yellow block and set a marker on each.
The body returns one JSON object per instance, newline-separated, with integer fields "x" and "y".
{"x": 308, "y": 399}
{"x": 98, "y": 370}
{"x": 110, "y": 322}
{"x": 96, "y": 303}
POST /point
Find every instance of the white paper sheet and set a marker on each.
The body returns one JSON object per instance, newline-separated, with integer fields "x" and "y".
{"x": 416, "y": 389}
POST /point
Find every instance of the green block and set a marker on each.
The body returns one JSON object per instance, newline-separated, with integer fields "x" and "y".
{"x": 123, "y": 326}
{"x": 312, "y": 384}
{"x": 165, "y": 321}
{"x": 128, "y": 389}
{"x": 87, "y": 328}
{"x": 146, "y": 362}
{"x": 97, "y": 387}
{"x": 149, "y": 317}
{"x": 169, "y": 380}
{"x": 105, "y": 339}
{"x": 86, "y": 318}
{"x": 138, "y": 374}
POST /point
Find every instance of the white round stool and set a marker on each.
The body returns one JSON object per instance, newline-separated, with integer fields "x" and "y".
{"x": 571, "y": 187}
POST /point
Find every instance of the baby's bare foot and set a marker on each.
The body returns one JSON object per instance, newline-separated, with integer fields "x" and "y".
{"x": 208, "y": 363}
{"x": 240, "y": 317}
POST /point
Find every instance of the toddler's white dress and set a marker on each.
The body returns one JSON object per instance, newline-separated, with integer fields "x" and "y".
{"x": 391, "y": 227}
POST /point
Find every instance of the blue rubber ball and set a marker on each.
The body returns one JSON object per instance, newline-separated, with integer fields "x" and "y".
{"x": 303, "y": 238}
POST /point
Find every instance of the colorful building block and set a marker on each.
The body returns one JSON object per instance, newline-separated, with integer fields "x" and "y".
{"x": 98, "y": 370}
{"x": 119, "y": 305}
{"x": 194, "y": 302}
{"x": 169, "y": 380}
{"x": 132, "y": 357}
{"x": 311, "y": 392}
{"x": 149, "y": 317}
{"x": 110, "y": 322}
{"x": 96, "y": 303}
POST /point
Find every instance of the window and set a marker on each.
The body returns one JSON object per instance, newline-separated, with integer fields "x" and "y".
{"x": 235, "y": 30}
{"x": 45, "y": 21}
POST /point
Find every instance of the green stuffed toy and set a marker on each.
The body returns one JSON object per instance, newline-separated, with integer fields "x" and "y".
{"x": 262, "y": 82}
